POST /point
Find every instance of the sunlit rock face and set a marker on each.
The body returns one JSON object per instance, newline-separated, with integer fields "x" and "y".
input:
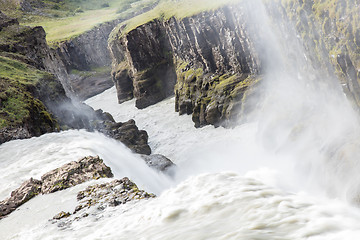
{"x": 218, "y": 56}
{"x": 208, "y": 60}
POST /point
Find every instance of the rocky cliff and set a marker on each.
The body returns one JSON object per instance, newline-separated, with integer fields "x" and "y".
{"x": 33, "y": 101}
{"x": 216, "y": 59}
{"x": 331, "y": 35}
{"x": 85, "y": 62}
{"x": 210, "y": 57}
{"x": 148, "y": 73}
{"x": 23, "y": 103}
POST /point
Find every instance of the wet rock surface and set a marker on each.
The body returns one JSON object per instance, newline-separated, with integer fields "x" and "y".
{"x": 95, "y": 199}
{"x": 24, "y": 193}
{"x": 90, "y": 84}
{"x": 159, "y": 162}
{"x": 125, "y": 132}
{"x": 74, "y": 173}
{"x": 71, "y": 174}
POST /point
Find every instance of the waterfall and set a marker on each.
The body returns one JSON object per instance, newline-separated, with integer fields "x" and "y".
{"x": 290, "y": 172}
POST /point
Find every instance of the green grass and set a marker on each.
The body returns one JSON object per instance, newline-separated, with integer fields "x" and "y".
{"x": 179, "y": 9}
{"x": 65, "y": 28}
{"x": 95, "y": 71}
{"x": 16, "y": 101}
{"x": 20, "y": 72}
{"x": 63, "y": 20}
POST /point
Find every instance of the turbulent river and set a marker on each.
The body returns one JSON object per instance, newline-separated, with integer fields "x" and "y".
{"x": 227, "y": 186}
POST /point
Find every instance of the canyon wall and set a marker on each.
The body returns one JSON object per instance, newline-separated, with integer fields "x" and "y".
{"x": 33, "y": 101}
{"x": 214, "y": 60}
{"x": 208, "y": 60}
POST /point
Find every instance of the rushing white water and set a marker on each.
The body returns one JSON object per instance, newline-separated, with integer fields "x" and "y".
{"x": 264, "y": 196}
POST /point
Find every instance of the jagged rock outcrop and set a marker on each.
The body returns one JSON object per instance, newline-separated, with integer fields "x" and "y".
{"x": 159, "y": 162}
{"x": 74, "y": 173}
{"x": 69, "y": 175}
{"x": 210, "y": 56}
{"x": 125, "y": 132}
{"x": 24, "y": 193}
{"x": 149, "y": 73}
{"x": 94, "y": 199}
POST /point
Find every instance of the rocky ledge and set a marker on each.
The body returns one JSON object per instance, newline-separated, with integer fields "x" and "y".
{"x": 77, "y": 172}
{"x": 69, "y": 175}
{"x": 94, "y": 199}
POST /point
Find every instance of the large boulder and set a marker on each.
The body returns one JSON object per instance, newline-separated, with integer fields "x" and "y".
{"x": 126, "y": 132}
{"x": 74, "y": 173}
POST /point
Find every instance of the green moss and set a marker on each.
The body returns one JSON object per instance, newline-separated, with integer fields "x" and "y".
{"x": 226, "y": 81}
{"x": 60, "y": 185}
{"x": 17, "y": 103}
{"x": 22, "y": 72}
{"x": 240, "y": 87}
{"x": 95, "y": 71}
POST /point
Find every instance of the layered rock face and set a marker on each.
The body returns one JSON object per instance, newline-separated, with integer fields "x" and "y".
{"x": 143, "y": 65}
{"x": 331, "y": 35}
{"x": 33, "y": 101}
{"x": 86, "y": 60}
{"x": 210, "y": 56}
{"x": 218, "y": 56}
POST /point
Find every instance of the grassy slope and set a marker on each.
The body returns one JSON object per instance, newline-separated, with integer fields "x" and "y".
{"x": 60, "y": 29}
{"x": 16, "y": 102}
{"x": 178, "y": 8}
{"x": 69, "y": 18}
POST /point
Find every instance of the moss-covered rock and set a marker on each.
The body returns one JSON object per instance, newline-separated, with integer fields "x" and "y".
{"x": 24, "y": 193}
{"x": 74, "y": 173}
{"x": 94, "y": 199}
{"x": 330, "y": 32}
{"x": 19, "y": 108}
{"x": 71, "y": 174}
{"x": 212, "y": 99}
